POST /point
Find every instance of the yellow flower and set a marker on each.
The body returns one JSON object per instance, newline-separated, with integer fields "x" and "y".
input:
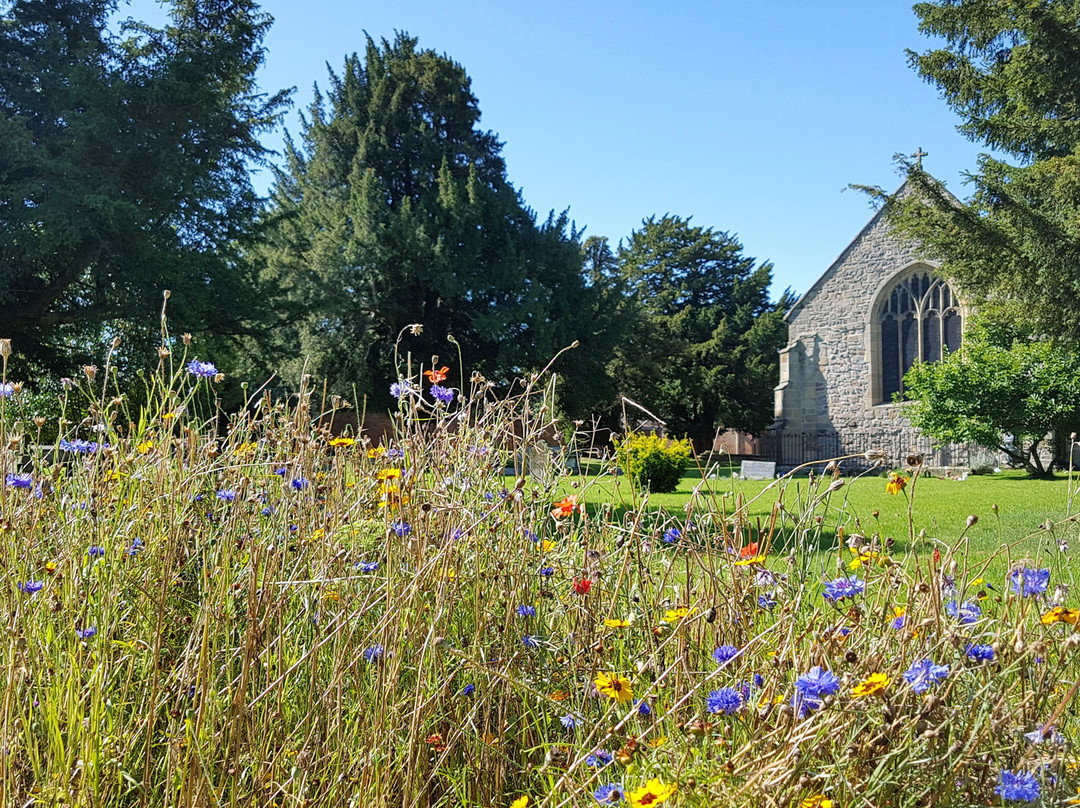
{"x": 144, "y": 447}
{"x": 388, "y": 474}
{"x": 896, "y": 483}
{"x": 331, "y": 594}
{"x": 675, "y": 615}
{"x": 1059, "y": 614}
{"x": 615, "y": 686}
{"x": 616, "y": 623}
{"x": 50, "y": 567}
{"x": 378, "y": 451}
{"x": 655, "y": 743}
{"x": 746, "y": 562}
{"x": 520, "y": 802}
{"x": 816, "y": 801}
{"x": 652, "y": 793}
{"x": 874, "y": 683}
{"x": 341, "y": 441}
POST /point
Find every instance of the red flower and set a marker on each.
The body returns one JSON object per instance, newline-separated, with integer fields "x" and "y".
{"x": 582, "y": 585}
{"x": 750, "y": 550}
{"x": 438, "y": 375}
{"x": 567, "y": 506}
{"x": 937, "y": 556}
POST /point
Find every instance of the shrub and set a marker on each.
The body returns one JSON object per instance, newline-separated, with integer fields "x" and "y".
{"x": 654, "y": 463}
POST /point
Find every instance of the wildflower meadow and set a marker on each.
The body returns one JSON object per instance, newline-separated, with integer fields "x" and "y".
{"x": 236, "y": 609}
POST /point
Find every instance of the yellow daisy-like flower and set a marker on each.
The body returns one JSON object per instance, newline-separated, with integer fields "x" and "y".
{"x": 520, "y": 802}
{"x": 544, "y": 545}
{"x": 378, "y": 451}
{"x": 816, "y": 801}
{"x": 652, "y": 793}
{"x": 615, "y": 686}
{"x": 896, "y": 483}
{"x": 746, "y": 562}
{"x": 144, "y": 447}
{"x": 331, "y": 594}
{"x": 656, "y": 743}
{"x": 341, "y": 441}
{"x": 50, "y": 567}
{"x": 559, "y": 695}
{"x": 388, "y": 474}
{"x": 675, "y": 615}
{"x": 616, "y": 623}
{"x": 1059, "y": 614}
{"x": 874, "y": 683}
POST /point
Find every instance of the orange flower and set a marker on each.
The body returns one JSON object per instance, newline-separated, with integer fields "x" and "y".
{"x": 567, "y": 506}
{"x": 437, "y": 376}
{"x": 749, "y": 550}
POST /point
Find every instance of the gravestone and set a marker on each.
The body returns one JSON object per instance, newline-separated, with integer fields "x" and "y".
{"x": 757, "y": 470}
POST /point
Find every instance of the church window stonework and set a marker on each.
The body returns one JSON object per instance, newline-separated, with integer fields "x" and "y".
{"x": 918, "y": 318}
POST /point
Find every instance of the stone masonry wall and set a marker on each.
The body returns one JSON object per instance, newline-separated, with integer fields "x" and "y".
{"x": 826, "y": 383}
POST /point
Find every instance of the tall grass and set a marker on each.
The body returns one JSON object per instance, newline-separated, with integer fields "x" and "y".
{"x": 282, "y": 617}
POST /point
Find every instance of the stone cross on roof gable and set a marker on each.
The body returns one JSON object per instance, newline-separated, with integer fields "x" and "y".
{"x": 919, "y": 155}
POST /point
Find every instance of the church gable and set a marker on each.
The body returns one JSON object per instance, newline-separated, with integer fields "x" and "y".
{"x": 874, "y": 311}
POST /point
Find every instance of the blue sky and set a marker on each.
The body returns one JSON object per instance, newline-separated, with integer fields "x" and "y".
{"x": 751, "y": 117}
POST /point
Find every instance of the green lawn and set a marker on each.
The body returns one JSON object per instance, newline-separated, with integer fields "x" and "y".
{"x": 940, "y": 512}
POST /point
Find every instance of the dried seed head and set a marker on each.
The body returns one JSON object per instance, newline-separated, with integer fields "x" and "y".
{"x": 186, "y": 337}
{"x": 971, "y": 520}
{"x": 90, "y": 371}
{"x": 5, "y": 348}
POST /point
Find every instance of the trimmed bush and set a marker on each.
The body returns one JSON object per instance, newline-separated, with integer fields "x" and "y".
{"x": 654, "y": 463}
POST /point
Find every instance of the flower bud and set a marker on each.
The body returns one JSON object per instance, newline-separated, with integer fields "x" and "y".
{"x": 5, "y": 348}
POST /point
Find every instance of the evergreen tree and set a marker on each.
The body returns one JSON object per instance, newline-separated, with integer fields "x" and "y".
{"x": 395, "y": 209}
{"x": 1011, "y": 70}
{"x": 124, "y": 171}
{"x": 704, "y": 353}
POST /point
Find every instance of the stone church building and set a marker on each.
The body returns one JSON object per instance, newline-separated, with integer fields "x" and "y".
{"x": 851, "y": 337}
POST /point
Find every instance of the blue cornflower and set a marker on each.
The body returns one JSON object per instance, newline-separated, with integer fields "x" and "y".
{"x": 85, "y": 633}
{"x": 281, "y": 471}
{"x": 267, "y": 511}
{"x": 401, "y": 388}
{"x": 19, "y": 480}
{"x": 531, "y": 536}
{"x": 135, "y": 548}
{"x": 394, "y": 453}
{"x": 1027, "y": 582}
{"x": 526, "y": 611}
{"x": 643, "y": 708}
{"x": 226, "y": 495}
{"x": 599, "y": 758}
{"x": 980, "y": 653}
{"x": 1045, "y": 735}
{"x": 78, "y": 446}
{"x": 609, "y": 793}
{"x": 374, "y": 653}
{"x": 1018, "y": 786}
{"x": 817, "y": 683}
{"x": 7, "y": 390}
{"x": 94, "y": 551}
{"x": 922, "y": 675}
{"x": 844, "y": 588}
{"x": 529, "y": 641}
{"x": 966, "y": 612}
{"x": 547, "y": 572}
{"x": 724, "y": 654}
{"x": 468, "y": 690}
{"x": 444, "y": 395}
{"x": 765, "y": 602}
{"x": 367, "y": 566}
{"x": 30, "y": 587}
{"x": 204, "y": 370}
{"x": 899, "y": 621}
{"x": 570, "y": 721}
{"x": 299, "y": 483}
{"x": 725, "y": 700}
{"x": 672, "y": 534}
{"x": 401, "y": 528}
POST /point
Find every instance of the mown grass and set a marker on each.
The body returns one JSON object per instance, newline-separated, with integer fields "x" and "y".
{"x": 282, "y": 618}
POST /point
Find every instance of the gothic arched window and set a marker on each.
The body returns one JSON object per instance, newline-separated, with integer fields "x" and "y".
{"x": 919, "y": 319}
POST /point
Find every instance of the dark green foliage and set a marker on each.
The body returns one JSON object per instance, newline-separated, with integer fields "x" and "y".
{"x": 704, "y": 352}
{"x": 654, "y": 464}
{"x": 1011, "y": 70}
{"x": 396, "y": 210}
{"x": 1002, "y": 383}
{"x": 123, "y": 172}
